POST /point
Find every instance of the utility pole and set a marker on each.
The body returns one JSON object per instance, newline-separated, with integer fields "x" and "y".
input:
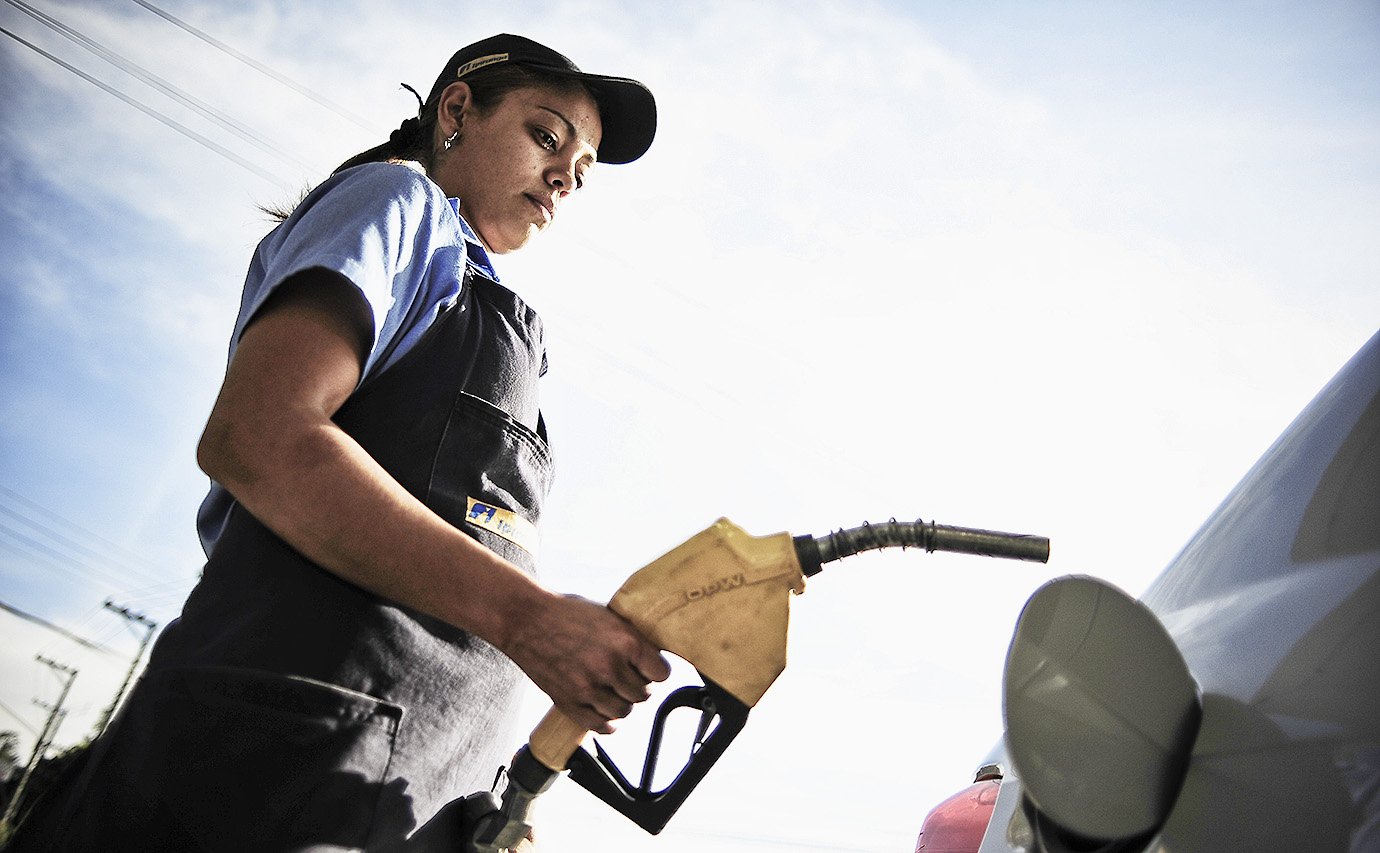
{"x": 149, "y": 627}
{"x": 55, "y": 715}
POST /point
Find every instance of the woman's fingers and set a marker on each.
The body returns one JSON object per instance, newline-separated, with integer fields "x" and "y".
{"x": 592, "y": 662}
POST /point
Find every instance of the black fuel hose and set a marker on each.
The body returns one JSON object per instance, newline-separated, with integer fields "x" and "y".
{"x": 814, "y": 552}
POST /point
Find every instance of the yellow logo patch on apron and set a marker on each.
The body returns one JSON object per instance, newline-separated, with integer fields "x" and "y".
{"x": 503, "y": 522}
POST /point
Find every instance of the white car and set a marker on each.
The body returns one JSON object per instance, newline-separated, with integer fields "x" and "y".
{"x": 1236, "y": 705}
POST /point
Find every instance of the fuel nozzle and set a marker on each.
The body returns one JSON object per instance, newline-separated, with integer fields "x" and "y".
{"x": 497, "y": 825}
{"x": 721, "y": 601}
{"x": 814, "y": 551}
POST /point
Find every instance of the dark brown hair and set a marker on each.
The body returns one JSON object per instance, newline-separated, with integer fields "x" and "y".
{"x": 413, "y": 138}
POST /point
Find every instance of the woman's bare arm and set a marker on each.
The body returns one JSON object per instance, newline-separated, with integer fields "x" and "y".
{"x": 270, "y": 441}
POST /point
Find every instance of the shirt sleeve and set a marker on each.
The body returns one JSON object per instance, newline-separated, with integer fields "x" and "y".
{"x": 378, "y": 226}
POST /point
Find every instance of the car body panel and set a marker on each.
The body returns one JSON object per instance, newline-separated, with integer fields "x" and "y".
{"x": 1275, "y": 605}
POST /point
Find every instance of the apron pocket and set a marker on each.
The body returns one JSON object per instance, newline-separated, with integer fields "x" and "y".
{"x": 485, "y": 455}
{"x": 252, "y": 760}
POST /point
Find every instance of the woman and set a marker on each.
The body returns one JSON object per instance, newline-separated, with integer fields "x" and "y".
{"x": 350, "y": 661}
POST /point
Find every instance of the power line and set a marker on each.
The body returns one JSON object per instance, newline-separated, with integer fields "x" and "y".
{"x": 155, "y": 596}
{"x": 148, "y": 77}
{"x": 64, "y": 541}
{"x": 66, "y": 522}
{"x": 63, "y": 562}
{"x": 152, "y": 113}
{"x": 160, "y": 595}
{"x": 168, "y": 601}
{"x": 31, "y": 547}
{"x": 157, "y": 592}
{"x": 79, "y": 627}
{"x": 112, "y": 632}
{"x": 23, "y": 722}
{"x": 260, "y": 67}
{"x": 39, "y": 620}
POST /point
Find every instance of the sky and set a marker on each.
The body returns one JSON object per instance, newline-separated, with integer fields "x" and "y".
{"x": 1063, "y": 268}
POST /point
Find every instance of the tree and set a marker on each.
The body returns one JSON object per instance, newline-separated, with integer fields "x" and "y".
{"x": 9, "y": 755}
{"x": 50, "y": 773}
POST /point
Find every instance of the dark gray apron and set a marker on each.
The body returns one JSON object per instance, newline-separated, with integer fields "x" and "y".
{"x": 288, "y": 709}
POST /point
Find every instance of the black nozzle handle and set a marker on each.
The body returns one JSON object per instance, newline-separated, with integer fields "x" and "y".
{"x": 813, "y": 551}
{"x": 648, "y": 808}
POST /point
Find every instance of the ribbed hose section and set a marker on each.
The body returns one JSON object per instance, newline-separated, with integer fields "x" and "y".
{"x": 814, "y": 552}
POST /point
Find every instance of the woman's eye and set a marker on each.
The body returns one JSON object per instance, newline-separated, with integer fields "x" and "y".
{"x": 546, "y": 140}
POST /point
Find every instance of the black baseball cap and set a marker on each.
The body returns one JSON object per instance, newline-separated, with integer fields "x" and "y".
{"x": 627, "y": 109}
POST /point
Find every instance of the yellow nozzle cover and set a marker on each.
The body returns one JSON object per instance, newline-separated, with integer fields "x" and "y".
{"x": 720, "y": 600}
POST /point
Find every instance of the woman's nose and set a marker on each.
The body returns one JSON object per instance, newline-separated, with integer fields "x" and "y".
{"x": 561, "y": 176}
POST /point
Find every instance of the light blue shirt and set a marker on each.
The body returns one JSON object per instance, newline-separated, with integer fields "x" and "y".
{"x": 395, "y": 235}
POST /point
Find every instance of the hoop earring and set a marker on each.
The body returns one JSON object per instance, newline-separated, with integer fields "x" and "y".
{"x": 450, "y": 140}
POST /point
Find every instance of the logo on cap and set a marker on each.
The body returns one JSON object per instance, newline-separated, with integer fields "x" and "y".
{"x": 481, "y": 62}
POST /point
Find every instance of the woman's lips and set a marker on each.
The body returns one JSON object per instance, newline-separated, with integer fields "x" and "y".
{"x": 547, "y": 209}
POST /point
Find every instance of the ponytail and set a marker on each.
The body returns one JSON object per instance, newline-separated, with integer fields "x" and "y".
{"x": 410, "y": 141}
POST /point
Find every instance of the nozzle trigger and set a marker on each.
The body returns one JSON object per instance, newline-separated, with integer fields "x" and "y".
{"x": 707, "y": 714}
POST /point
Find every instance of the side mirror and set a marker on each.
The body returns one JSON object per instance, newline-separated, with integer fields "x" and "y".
{"x": 1101, "y": 711}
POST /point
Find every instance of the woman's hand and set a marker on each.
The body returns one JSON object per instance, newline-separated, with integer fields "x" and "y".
{"x": 592, "y": 662}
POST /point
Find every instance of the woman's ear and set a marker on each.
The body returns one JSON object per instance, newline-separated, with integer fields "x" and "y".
{"x": 456, "y": 101}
